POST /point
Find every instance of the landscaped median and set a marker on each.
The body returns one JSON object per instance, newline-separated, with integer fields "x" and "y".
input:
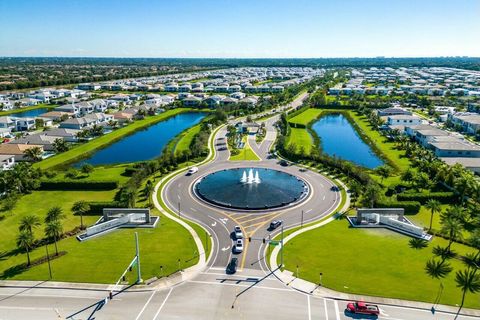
{"x": 83, "y": 150}
{"x": 245, "y": 154}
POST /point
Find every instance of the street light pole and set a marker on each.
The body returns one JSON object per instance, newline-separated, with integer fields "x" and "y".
{"x": 137, "y": 249}
{"x": 48, "y": 259}
{"x": 320, "y": 284}
{"x": 281, "y": 256}
{"x": 179, "y": 212}
{"x": 302, "y": 220}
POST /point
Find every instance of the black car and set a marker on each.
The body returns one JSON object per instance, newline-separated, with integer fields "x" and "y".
{"x": 232, "y": 266}
{"x": 275, "y": 224}
{"x": 283, "y": 163}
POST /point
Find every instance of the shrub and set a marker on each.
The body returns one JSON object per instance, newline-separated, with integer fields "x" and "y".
{"x": 443, "y": 197}
{"x": 411, "y": 207}
{"x": 96, "y": 207}
{"x": 71, "y": 173}
{"x": 78, "y": 185}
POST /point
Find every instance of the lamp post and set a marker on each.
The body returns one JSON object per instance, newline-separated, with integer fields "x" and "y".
{"x": 320, "y": 284}
{"x": 302, "y": 220}
{"x": 179, "y": 212}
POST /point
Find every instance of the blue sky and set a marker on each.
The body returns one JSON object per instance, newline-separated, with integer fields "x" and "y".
{"x": 240, "y": 28}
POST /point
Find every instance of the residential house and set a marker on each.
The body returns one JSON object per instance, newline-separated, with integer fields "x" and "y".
{"x": 404, "y": 120}
{"x": 54, "y": 116}
{"x": 7, "y": 161}
{"x": 8, "y": 122}
{"x": 192, "y": 101}
{"x": 87, "y": 121}
{"x": 47, "y": 142}
{"x": 393, "y": 111}
{"x": 17, "y": 150}
{"x": 69, "y": 135}
{"x": 25, "y": 124}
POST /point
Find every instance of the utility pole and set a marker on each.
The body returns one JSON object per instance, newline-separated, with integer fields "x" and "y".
{"x": 139, "y": 274}
{"x": 48, "y": 259}
{"x": 281, "y": 252}
{"x": 302, "y": 220}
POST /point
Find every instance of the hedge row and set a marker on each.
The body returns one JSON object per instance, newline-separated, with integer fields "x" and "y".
{"x": 78, "y": 185}
{"x": 96, "y": 207}
{"x": 443, "y": 197}
{"x": 411, "y": 207}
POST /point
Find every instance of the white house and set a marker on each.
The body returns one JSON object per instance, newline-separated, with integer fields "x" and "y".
{"x": 7, "y": 161}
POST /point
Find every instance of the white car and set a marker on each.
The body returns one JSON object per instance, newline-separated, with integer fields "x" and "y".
{"x": 238, "y": 235}
{"x": 192, "y": 170}
{"x": 238, "y": 246}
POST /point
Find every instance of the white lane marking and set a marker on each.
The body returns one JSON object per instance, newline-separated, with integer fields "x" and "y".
{"x": 145, "y": 305}
{"x": 193, "y": 209}
{"x": 224, "y": 220}
{"x": 325, "y": 305}
{"x": 214, "y": 223}
{"x": 225, "y": 249}
{"x": 26, "y": 308}
{"x": 337, "y": 313}
{"x": 163, "y": 303}
{"x": 239, "y": 285}
{"x": 309, "y": 310}
{"x": 323, "y": 197}
{"x": 308, "y": 210}
{"x": 55, "y": 296}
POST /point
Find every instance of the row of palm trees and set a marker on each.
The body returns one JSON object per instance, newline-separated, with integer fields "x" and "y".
{"x": 53, "y": 227}
{"x": 53, "y": 230}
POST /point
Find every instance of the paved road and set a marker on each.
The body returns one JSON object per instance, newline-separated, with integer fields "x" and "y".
{"x": 211, "y": 294}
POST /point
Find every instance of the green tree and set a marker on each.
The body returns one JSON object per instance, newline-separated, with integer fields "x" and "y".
{"x": 54, "y": 230}
{"x": 434, "y": 207}
{"x": 54, "y": 214}
{"x": 33, "y": 154}
{"x": 29, "y": 223}
{"x": 80, "y": 208}
{"x": 25, "y": 241}
{"x": 371, "y": 194}
{"x": 60, "y": 145}
{"x": 87, "y": 168}
{"x": 452, "y": 228}
{"x": 384, "y": 172}
{"x": 148, "y": 191}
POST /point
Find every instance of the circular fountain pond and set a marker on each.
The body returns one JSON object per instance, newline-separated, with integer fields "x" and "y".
{"x": 251, "y": 188}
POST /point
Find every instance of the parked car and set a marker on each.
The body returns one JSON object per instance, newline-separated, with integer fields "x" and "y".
{"x": 238, "y": 232}
{"x": 363, "y": 308}
{"x": 275, "y": 224}
{"x": 238, "y": 246}
{"x": 283, "y": 163}
{"x": 232, "y": 266}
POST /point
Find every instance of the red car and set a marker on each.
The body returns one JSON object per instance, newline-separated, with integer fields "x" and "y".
{"x": 363, "y": 308}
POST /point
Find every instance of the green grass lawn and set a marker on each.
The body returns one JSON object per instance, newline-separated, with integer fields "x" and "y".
{"x": 306, "y": 117}
{"x": 100, "y": 173}
{"x": 371, "y": 262}
{"x": 87, "y": 148}
{"x": 186, "y": 138}
{"x": 386, "y": 147}
{"x": 38, "y": 106}
{"x": 103, "y": 259}
{"x": 245, "y": 154}
{"x": 301, "y": 138}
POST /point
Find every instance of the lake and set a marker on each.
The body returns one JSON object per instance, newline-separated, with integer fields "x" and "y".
{"x": 145, "y": 144}
{"x": 339, "y": 138}
{"x": 29, "y": 113}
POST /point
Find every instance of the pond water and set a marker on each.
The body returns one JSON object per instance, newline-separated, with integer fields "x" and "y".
{"x": 144, "y": 144}
{"x": 339, "y": 138}
{"x": 29, "y": 113}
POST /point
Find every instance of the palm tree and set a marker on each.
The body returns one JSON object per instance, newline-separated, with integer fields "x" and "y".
{"x": 453, "y": 228}
{"x": 463, "y": 185}
{"x": 53, "y": 230}
{"x": 60, "y": 145}
{"x": 25, "y": 241}
{"x": 80, "y": 208}
{"x": 54, "y": 214}
{"x": 33, "y": 154}
{"x": 148, "y": 191}
{"x": 434, "y": 207}
{"x": 28, "y": 224}
{"x": 468, "y": 281}
{"x": 383, "y": 171}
